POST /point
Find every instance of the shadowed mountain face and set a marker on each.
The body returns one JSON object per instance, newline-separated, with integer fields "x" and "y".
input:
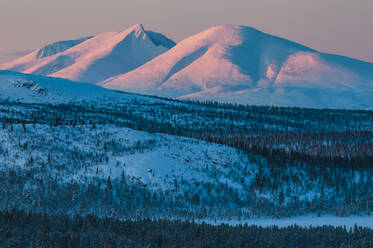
{"x": 160, "y": 40}
{"x": 94, "y": 59}
{"x": 58, "y": 47}
{"x": 244, "y": 65}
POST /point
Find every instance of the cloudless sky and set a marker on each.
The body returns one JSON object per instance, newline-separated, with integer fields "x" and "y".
{"x": 336, "y": 26}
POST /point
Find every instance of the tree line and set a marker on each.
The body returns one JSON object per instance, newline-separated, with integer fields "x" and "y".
{"x": 26, "y": 229}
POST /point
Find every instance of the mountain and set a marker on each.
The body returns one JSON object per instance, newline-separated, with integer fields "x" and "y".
{"x": 96, "y": 58}
{"x": 243, "y": 65}
{"x": 9, "y": 56}
{"x": 58, "y": 47}
{"x": 41, "y": 89}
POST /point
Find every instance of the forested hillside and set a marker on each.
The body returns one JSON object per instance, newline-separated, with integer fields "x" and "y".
{"x": 85, "y": 157}
{"x": 20, "y": 229}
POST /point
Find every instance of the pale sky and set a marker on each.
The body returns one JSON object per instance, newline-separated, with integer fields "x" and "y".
{"x": 336, "y": 26}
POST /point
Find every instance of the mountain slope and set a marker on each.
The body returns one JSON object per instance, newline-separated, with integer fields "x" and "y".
{"x": 36, "y": 57}
{"x": 241, "y": 64}
{"x": 58, "y": 47}
{"x": 34, "y": 88}
{"x": 94, "y": 59}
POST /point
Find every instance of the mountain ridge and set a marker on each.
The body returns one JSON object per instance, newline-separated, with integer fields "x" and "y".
{"x": 230, "y": 63}
{"x": 95, "y": 58}
{"x": 227, "y": 63}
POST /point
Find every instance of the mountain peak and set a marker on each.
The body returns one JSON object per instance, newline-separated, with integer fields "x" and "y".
{"x": 243, "y": 65}
{"x": 228, "y": 28}
{"x": 158, "y": 39}
{"x": 95, "y": 59}
{"x": 137, "y": 28}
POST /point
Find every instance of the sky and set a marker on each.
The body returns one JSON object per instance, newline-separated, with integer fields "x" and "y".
{"x": 344, "y": 27}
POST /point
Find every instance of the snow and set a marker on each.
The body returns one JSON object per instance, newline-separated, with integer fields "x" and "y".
{"x": 209, "y": 66}
{"x": 78, "y": 154}
{"x": 154, "y": 159}
{"x": 58, "y": 47}
{"x": 94, "y": 59}
{"x": 10, "y": 56}
{"x": 160, "y": 159}
{"x": 304, "y": 221}
{"x": 159, "y": 39}
{"x": 291, "y": 96}
{"x": 228, "y": 63}
{"x": 243, "y": 65}
{"x": 40, "y": 89}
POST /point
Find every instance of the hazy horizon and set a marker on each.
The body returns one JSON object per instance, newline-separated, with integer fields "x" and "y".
{"x": 334, "y": 26}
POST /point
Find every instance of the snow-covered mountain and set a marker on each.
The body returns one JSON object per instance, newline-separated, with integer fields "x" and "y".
{"x": 9, "y": 56}
{"x": 226, "y": 63}
{"x": 34, "y": 88}
{"x": 96, "y": 58}
{"x": 241, "y": 64}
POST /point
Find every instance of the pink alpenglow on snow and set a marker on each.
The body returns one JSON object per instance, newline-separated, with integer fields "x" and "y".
{"x": 95, "y": 58}
{"x": 244, "y": 65}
